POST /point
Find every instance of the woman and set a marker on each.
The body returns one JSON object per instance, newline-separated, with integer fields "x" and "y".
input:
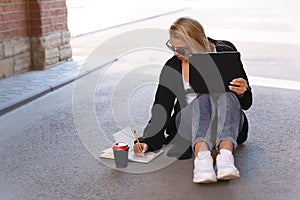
{"x": 203, "y": 121}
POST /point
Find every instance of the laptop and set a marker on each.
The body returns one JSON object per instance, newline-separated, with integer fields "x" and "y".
{"x": 213, "y": 71}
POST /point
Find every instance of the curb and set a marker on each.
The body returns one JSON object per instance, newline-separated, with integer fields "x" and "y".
{"x": 49, "y": 87}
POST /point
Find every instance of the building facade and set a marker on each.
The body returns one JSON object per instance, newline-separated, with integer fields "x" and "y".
{"x": 33, "y": 35}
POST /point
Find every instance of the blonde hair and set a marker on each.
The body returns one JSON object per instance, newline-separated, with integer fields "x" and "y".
{"x": 191, "y": 32}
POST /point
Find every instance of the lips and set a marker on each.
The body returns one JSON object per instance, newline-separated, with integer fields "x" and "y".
{"x": 180, "y": 58}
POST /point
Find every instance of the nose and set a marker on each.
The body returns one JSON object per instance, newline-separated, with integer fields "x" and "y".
{"x": 176, "y": 52}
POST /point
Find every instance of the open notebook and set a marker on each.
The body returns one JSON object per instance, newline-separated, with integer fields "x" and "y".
{"x": 126, "y": 135}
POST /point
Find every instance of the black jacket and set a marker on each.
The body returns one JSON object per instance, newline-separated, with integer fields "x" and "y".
{"x": 170, "y": 97}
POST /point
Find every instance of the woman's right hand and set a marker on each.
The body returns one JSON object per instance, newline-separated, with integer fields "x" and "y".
{"x": 137, "y": 150}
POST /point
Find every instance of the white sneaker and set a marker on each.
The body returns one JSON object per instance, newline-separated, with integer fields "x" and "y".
{"x": 203, "y": 168}
{"x": 225, "y": 166}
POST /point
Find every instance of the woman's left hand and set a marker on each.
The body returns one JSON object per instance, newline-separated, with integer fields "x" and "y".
{"x": 238, "y": 86}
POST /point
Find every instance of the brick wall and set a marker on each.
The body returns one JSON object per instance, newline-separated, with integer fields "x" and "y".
{"x": 14, "y": 37}
{"x": 47, "y": 16}
{"x": 33, "y": 35}
{"x": 13, "y": 19}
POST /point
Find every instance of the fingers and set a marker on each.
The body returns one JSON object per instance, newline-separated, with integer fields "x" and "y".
{"x": 145, "y": 147}
{"x": 140, "y": 152}
{"x": 238, "y": 90}
{"x": 238, "y": 86}
{"x": 240, "y": 82}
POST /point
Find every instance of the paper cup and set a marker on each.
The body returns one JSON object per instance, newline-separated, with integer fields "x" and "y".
{"x": 120, "y": 150}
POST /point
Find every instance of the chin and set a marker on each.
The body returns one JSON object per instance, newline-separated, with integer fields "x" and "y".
{"x": 181, "y": 58}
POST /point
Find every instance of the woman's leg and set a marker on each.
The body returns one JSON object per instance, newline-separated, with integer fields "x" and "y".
{"x": 229, "y": 122}
{"x": 196, "y": 118}
{"x": 202, "y": 112}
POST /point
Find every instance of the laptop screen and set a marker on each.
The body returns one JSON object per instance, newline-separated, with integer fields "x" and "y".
{"x": 213, "y": 71}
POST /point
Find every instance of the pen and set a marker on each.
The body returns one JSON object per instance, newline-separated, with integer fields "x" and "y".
{"x": 138, "y": 141}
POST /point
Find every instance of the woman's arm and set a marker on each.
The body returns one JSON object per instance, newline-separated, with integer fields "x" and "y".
{"x": 153, "y": 134}
{"x": 245, "y": 99}
{"x": 243, "y": 91}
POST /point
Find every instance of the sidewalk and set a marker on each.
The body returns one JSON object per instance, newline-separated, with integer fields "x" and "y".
{"x": 88, "y": 16}
{"x": 20, "y": 89}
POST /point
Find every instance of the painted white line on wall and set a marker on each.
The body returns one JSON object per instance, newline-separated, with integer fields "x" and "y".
{"x": 275, "y": 83}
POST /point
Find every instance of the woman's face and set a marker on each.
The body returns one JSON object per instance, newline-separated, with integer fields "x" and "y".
{"x": 180, "y": 48}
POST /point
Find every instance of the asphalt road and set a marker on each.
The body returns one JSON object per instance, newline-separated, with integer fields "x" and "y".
{"x": 43, "y": 157}
{"x": 49, "y": 147}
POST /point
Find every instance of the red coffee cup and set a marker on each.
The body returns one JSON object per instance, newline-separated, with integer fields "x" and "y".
{"x": 120, "y": 146}
{"x": 121, "y": 154}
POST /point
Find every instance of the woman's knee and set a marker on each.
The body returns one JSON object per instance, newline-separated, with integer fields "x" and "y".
{"x": 203, "y": 105}
{"x": 203, "y": 100}
{"x": 230, "y": 99}
{"x": 231, "y": 96}
{"x": 204, "y": 96}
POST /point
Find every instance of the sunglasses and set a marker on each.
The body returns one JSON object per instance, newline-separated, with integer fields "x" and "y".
{"x": 180, "y": 51}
